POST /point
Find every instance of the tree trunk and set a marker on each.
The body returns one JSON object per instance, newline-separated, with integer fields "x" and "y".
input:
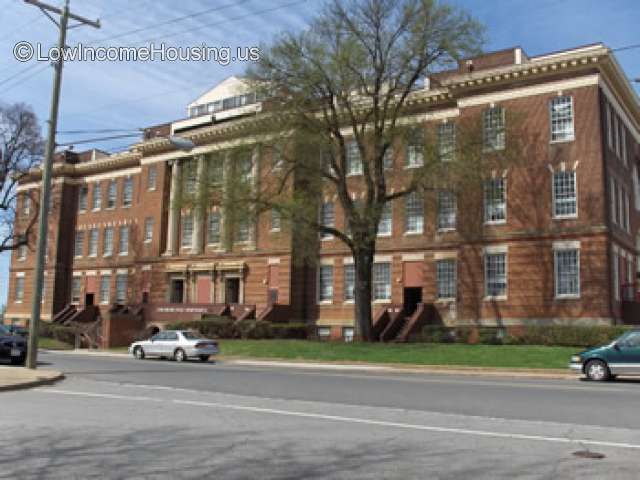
{"x": 363, "y": 259}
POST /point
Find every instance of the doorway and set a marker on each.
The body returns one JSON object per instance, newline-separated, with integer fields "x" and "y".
{"x": 412, "y": 297}
{"x": 89, "y": 299}
{"x": 176, "y": 294}
{"x": 232, "y": 290}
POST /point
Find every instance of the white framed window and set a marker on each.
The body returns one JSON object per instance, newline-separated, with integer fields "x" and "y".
{"x": 609, "y": 127}
{"x": 615, "y": 272}
{"x": 385, "y": 226}
{"x": 347, "y": 334}
{"x": 446, "y": 279}
{"x": 621, "y": 219}
{"x": 276, "y": 220}
{"x": 213, "y": 228}
{"x": 97, "y": 196}
{"x": 446, "y": 210}
{"x": 325, "y": 283}
{"x": 623, "y": 143}
{"x": 616, "y": 134}
{"x": 327, "y": 218}
{"x": 187, "y": 230}
{"x": 243, "y": 230}
{"x": 107, "y": 246}
{"x": 349, "y": 271}
{"x": 565, "y": 198}
{"x": 277, "y": 161}
{"x": 148, "y": 229}
{"x": 18, "y": 294}
{"x": 105, "y": 289}
{"x": 446, "y": 141}
{"x": 127, "y": 192}
{"x": 414, "y": 213}
{"x": 614, "y": 201}
{"x": 121, "y": 288}
{"x": 93, "y": 242}
{"x": 215, "y": 169}
{"x": 495, "y": 275}
{"x": 123, "y": 246}
{"x": 190, "y": 177}
{"x": 76, "y": 289}
{"x": 387, "y": 159}
{"x": 26, "y": 205}
{"x": 152, "y": 177}
{"x": 415, "y": 148}
{"x": 567, "y": 272}
{"x": 381, "y": 281}
{"x": 561, "y": 115}
{"x": 83, "y": 198}
{"x": 22, "y": 252}
{"x": 78, "y": 249}
{"x": 112, "y": 194}
{"x": 324, "y": 333}
{"x": 354, "y": 160}
{"x": 493, "y": 123}
{"x": 495, "y": 200}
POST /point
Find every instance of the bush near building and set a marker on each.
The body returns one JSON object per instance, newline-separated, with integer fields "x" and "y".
{"x": 224, "y": 327}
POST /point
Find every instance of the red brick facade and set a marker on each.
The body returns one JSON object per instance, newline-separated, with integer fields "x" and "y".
{"x": 603, "y": 152}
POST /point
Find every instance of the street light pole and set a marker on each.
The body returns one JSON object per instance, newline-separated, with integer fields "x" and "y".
{"x": 45, "y": 189}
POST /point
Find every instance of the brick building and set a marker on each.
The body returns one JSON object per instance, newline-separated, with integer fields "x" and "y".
{"x": 559, "y": 232}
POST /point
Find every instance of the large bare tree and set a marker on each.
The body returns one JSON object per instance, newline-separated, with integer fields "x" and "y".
{"x": 21, "y": 148}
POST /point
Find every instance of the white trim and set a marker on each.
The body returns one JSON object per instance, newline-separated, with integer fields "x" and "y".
{"x": 122, "y": 271}
{"x": 19, "y": 274}
{"x": 347, "y": 261}
{"x": 546, "y": 88}
{"x": 105, "y": 272}
{"x": 412, "y": 257}
{"x": 273, "y": 260}
{"x": 326, "y": 261}
{"x": 613, "y": 102}
{"x": 382, "y": 258}
{"x": 112, "y": 174}
{"x": 491, "y": 249}
{"x": 445, "y": 255}
{"x": 91, "y": 273}
{"x": 77, "y": 274}
{"x": 567, "y": 245}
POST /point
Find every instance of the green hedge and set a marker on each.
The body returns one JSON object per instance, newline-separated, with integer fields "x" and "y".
{"x": 57, "y": 332}
{"x": 552, "y": 335}
{"x": 224, "y": 327}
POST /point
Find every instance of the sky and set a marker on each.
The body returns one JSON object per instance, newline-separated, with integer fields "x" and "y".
{"x": 132, "y": 95}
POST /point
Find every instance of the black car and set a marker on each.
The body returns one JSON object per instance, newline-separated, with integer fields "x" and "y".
{"x": 12, "y": 347}
{"x": 17, "y": 330}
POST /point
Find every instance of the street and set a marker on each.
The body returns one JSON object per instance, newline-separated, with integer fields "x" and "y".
{"x": 115, "y": 417}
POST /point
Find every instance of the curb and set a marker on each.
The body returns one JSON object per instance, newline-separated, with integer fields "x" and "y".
{"x": 32, "y": 383}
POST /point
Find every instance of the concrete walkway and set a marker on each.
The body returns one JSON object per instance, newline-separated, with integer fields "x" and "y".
{"x": 15, "y": 378}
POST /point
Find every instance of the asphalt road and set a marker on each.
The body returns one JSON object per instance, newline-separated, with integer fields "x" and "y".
{"x": 122, "y": 418}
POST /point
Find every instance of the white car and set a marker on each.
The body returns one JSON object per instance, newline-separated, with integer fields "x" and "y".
{"x": 179, "y": 345}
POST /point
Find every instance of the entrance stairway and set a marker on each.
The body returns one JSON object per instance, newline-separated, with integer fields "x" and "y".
{"x": 391, "y": 324}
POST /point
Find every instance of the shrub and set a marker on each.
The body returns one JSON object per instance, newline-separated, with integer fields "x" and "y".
{"x": 566, "y": 335}
{"x": 224, "y": 327}
{"x": 57, "y": 332}
{"x": 288, "y": 330}
{"x": 217, "y": 327}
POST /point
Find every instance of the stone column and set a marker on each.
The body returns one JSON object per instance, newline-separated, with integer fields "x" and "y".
{"x": 173, "y": 222}
{"x": 197, "y": 245}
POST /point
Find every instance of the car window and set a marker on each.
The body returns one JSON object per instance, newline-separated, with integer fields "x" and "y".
{"x": 158, "y": 336}
{"x": 171, "y": 336}
{"x": 631, "y": 340}
{"x": 190, "y": 335}
{"x": 4, "y": 330}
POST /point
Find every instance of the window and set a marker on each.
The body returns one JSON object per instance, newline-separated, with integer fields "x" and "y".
{"x": 82, "y": 198}
{"x": 565, "y": 202}
{"x": 495, "y": 274}
{"x": 354, "y": 161}
{"x": 187, "y": 230}
{"x": 245, "y": 165}
{"x": 493, "y": 128}
{"x": 325, "y": 283}
{"x": 97, "y": 196}
{"x": 78, "y": 249}
{"x": 615, "y": 271}
{"x": 22, "y": 252}
{"x": 616, "y": 135}
{"x": 190, "y": 177}
{"x": 93, "y": 242}
{"x": 567, "y": 272}
{"x": 414, "y": 213}
{"x": 623, "y": 143}
{"x": 112, "y": 194}
{"x": 349, "y": 281}
{"x": 614, "y": 201}
{"x": 381, "y": 281}
{"x": 626, "y": 212}
{"x": 148, "y": 229}
{"x": 277, "y": 162}
{"x": 276, "y": 220}
{"x": 105, "y": 288}
{"x": 446, "y": 210}
{"x": 121, "y": 288}
{"x": 123, "y": 247}
{"x": 213, "y": 233}
{"x": 386, "y": 220}
{"x": 19, "y": 292}
{"x": 324, "y": 333}
{"x": 107, "y": 246}
{"x": 415, "y": 149}
{"x": 387, "y": 160}
{"x": 26, "y": 205}
{"x": 621, "y": 206}
{"x": 446, "y": 279}
{"x": 561, "y": 112}
{"x": 127, "y": 192}
{"x": 152, "y": 177}
{"x": 243, "y": 230}
{"x": 215, "y": 166}
{"x": 76, "y": 287}
{"x": 495, "y": 201}
{"x": 446, "y": 141}
{"x": 609, "y": 128}
{"x": 347, "y": 334}
{"x": 327, "y": 218}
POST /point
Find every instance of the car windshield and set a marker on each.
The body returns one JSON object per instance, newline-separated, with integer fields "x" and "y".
{"x": 190, "y": 335}
{"x": 4, "y": 330}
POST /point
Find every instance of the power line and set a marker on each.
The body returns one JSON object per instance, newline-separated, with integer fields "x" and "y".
{"x": 104, "y": 130}
{"x": 627, "y": 47}
{"x": 98, "y": 139}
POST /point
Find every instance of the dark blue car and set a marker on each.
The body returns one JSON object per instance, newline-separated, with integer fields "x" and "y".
{"x": 12, "y": 347}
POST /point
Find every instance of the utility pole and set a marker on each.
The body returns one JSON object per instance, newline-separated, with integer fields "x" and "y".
{"x": 45, "y": 189}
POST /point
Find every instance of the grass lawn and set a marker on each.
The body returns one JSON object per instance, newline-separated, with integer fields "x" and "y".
{"x": 53, "y": 344}
{"x": 505, "y": 356}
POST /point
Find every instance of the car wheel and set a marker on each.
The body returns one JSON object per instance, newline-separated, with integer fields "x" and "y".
{"x": 138, "y": 353}
{"x": 597, "y": 370}
{"x": 179, "y": 355}
{"x": 204, "y": 358}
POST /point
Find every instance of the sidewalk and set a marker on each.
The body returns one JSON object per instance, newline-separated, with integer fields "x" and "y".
{"x": 552, "y": 374}
{"x": 16, "y": 378}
